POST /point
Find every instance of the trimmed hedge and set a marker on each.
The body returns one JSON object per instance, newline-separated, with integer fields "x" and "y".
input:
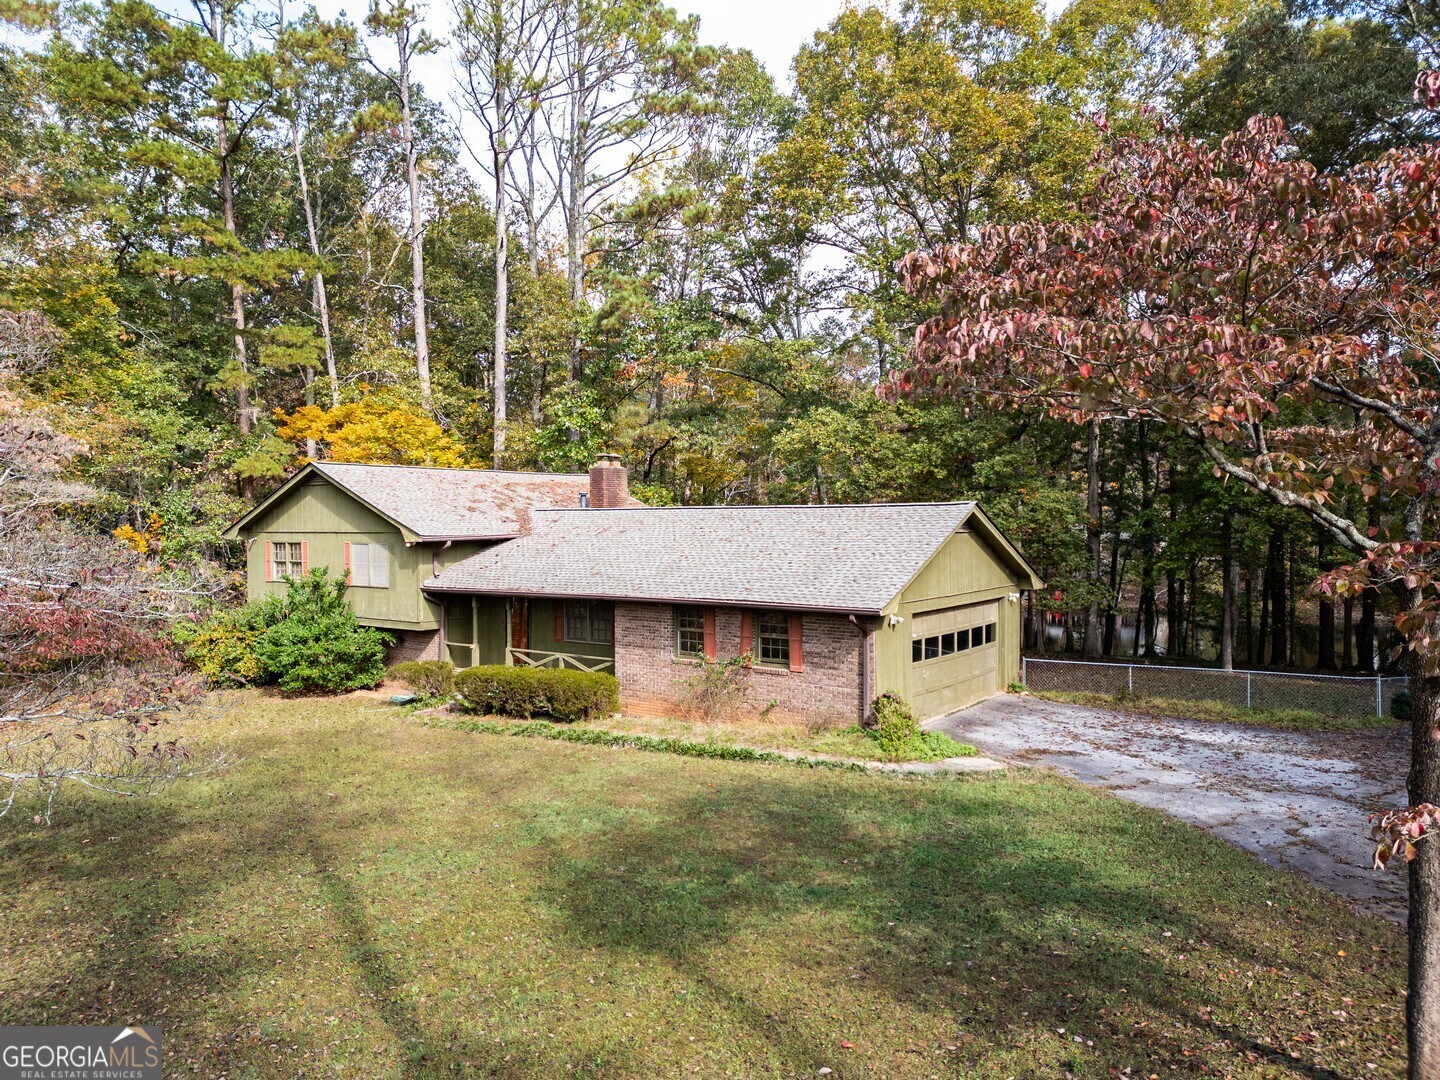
{"x": 428, "y": 678}
{"x": 524, "y": 692}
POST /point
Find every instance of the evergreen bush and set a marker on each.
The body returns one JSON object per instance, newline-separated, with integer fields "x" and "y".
{"x": 319, "y": 645}
{"x": 428, "y": 678}
{"x": 524, "y": 692}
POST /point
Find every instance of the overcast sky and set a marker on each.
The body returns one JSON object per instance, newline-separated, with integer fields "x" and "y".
{"x": 773, "y": 32}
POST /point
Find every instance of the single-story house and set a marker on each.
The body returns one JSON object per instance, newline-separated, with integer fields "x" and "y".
{"x": 832, "y": 605}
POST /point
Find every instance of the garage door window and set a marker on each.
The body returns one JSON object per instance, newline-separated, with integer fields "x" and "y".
{"x": 954, "y": 641}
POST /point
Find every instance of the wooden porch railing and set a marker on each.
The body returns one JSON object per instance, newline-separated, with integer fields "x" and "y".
{"x": 537, "y": 658}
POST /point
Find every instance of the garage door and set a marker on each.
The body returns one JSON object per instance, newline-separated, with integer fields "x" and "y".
{"x": 954, "y": 657}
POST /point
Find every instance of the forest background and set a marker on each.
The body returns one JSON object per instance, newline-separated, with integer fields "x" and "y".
{"x": 245, "y": 236}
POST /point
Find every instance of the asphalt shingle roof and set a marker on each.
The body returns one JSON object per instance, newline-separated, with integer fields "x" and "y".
{"x": 833, "y": 558}
{"x": 454, "y": 503}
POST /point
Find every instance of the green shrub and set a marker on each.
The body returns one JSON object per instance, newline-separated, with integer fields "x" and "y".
{"x": 498, "y": 690}
{"x": 222, "y": 647}
{"x": 428, "y": 678}
{"x": 318, "y": 644}
{"x": 537, "y": 691}
{"x": 579, "y": 695}
{"x": 896, "y": 725}
{"x": 897, "y": 734}
{"x": 1400, "y": 705}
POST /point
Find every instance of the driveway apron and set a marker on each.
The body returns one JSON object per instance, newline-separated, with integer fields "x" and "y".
{"x": 1298, "y": 800}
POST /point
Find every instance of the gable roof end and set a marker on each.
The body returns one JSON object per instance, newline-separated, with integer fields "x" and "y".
{"x": 428, "y": 504}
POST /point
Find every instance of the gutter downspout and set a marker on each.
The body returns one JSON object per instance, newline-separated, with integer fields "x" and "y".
{"x": 435, "y": 558}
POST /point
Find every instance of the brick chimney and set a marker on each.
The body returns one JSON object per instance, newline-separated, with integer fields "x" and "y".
{"x": 609, "y": 483}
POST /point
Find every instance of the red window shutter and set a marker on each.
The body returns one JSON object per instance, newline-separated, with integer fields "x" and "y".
{"x": 304, "y": 556}
{"x": 269, "y": 561}
{"x": 747, "y": 632}
{"x": 559, "y": 606}
{"x": 797, "y": 648}
{"x": 347, "y": 562}
{"x": 709, "y": 633}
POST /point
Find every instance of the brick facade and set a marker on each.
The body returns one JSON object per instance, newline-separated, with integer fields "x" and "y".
{"x": 414, "y": 645}
{"x": 653, "y": 681}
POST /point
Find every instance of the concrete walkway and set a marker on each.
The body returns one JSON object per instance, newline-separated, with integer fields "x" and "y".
{"x": 1300, "y": 801}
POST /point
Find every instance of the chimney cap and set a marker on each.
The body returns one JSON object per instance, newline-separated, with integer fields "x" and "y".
{"x": 607, "y": 459}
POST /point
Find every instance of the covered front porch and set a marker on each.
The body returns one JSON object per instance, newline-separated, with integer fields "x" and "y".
{"x": 521, "y": 631}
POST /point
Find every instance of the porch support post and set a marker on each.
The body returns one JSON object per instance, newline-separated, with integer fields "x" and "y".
{"x": 474, "y": 631}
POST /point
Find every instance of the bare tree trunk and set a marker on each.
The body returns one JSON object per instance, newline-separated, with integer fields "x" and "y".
{"x": 1276, "y": 577}
{"x": 1092, "y": 532}
{"x": 575, "y": 220}
{"x": 417, "y": 222}
{"x": 1422, "y": 1004}
{"x": 1347, "y": 636}
{"x": 1111, "y": 615}
{"x": 1174, "y": 631}
{"x": 244, "y": 414}
{"x": 502, "y": 276}
{"x": 1192, "y": 622}
{"x": 1262, "y": 585}
{"x": 532, "y": 216}
{"x": 318, "y": 295}
{"x": 1229, "y": 587}
{"x": 1365, "y": 639}
{"x": 1249, "y": 618}
{"x": 1291, "y": 606}
{"x": 1325, "y": 651}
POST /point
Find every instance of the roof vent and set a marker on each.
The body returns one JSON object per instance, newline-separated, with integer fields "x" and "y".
{"x": 584, "y": 500}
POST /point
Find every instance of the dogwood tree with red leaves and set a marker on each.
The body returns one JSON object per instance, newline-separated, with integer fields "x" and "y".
{"x": 1286, "y": 322}
{"x": 89, "y": 683}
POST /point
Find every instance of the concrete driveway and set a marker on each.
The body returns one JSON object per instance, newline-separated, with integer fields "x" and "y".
{"x": 1300, "y": 801}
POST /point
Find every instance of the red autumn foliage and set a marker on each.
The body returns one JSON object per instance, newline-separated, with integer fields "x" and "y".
{"x": 1284, "y": 321}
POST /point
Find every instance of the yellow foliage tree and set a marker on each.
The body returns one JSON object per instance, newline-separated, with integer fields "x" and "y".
{"x": 377, "y": 430}
{"x": 148, "y": 540}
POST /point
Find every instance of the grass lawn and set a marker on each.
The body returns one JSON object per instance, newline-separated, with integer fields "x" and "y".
{"x": 365, "y": 896}
{"x": 1219, "y": 712}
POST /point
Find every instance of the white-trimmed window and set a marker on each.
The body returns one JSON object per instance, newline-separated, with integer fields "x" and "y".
{"x": 287, "y": 559}
{"x": 369, "y": 566}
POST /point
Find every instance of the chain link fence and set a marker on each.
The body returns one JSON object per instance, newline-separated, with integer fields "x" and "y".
{"x": 1356, "y": 696}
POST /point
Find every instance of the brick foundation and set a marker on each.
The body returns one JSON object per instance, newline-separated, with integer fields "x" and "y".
{"x": 414, "y": 645}
{"x": 654, "y": 682}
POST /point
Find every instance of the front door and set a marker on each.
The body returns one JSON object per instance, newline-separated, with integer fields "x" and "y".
{"x": 519, "y": 623}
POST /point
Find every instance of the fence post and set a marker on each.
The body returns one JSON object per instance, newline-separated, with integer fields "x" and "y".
{"x": 1379, "y": 697}
{"x": 1247, "y": 689}
{"x": 1130, "y": 677}
{"x": 1024, "y": 677}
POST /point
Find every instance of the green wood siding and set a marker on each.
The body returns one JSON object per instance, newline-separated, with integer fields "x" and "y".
{"x": 965, "y": 571}
{"x": 542, "y": 634}
{"x": 475, "y": 629}
{"x": 321, "y": 514}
